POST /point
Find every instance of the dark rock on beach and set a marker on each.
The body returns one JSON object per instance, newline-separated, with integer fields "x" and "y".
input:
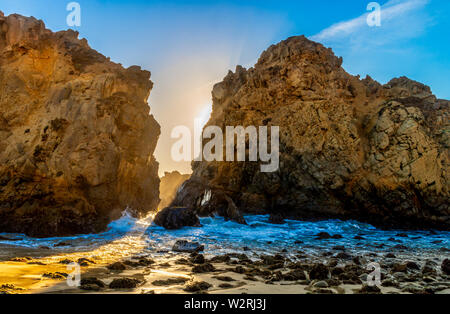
{"x": 323, "y": 236}
{"x": 366, "y": 289}
{"x": 57, "y": 275}
{"x": 326, "y": 235}
{"x": 141, "y": 262}
{"x": 319, "y": 271}
{"x": 176, "y": 218}
{"x": 429, "y": 269}
{"x": 446, "y": 266}
{"x": 224, "y": 278}
{"x": 85, "y": 262}
{"x": 183, "y": 246}
{"x": 295, "y": 275}
{"x": 170, "y": 281}
{"x": 198, "y": 258}
{"x": 197, "y": 286}
{"x": 91, "y": 284}
{"x": 412, "y": 265}
{"x": 124, "y": 283}
{"x": 93, "y": 280}
{"x": 203, "y": 268}
{"x": 66, "y": 261}
{"x": 117, "y": 266}
{"x": 220, "y": 259}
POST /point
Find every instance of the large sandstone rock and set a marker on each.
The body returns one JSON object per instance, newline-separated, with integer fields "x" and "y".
{"x": 170, "y": 183}
{"x": 349, "y": 148}
{"x": 76, "y": 137}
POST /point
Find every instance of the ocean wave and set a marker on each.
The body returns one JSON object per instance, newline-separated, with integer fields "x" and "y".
{"x": 219, "y": 236}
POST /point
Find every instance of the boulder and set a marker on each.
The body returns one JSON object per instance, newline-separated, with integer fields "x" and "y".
{"x": 203, "y": 268}
{"x": 117, "y": 266}
{"x": 366, "y": 289}
{"x": 176, "y": 218}
{"x": 446, "y": 266}
{"x": 170, "y": 282}
{"x": 319, "y": 272}
{"x": 91, "y": 284}
{"x": 197, "y": 286}
{"x": 183, "y": 246}
{"x": 323, "y": 236}
{"x": 124, "y": 283}
{"x": 197, "y": 258}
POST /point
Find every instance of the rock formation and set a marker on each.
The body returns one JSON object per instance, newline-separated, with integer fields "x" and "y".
{"x": 173, "y": 218}
{"x": 350, "y": 148}
{"x": 169, "y": 186}
{"x": 76, "y": 137}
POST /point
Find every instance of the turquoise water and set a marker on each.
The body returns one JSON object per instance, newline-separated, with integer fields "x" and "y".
{"x": 220, "y": 236}
{"x": 260, "y": 236}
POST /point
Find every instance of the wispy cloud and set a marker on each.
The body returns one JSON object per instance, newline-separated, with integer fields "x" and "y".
{"x": 394, "y": 14}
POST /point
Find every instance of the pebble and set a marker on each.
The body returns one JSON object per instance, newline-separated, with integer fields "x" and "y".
{"x": 321, "y": 284}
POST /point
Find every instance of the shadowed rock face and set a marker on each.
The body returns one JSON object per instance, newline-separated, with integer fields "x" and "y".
{"x": 176, "y": 218}
{"x": 76, "y": 137}
{"x": 169, "y": 186}
{"x": 349, "y": 148}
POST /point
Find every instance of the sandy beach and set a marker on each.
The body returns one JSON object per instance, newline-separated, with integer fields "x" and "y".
{"x": 175, "y": 273}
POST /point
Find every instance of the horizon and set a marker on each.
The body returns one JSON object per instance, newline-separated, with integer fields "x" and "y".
{"x": 213, "y": 38}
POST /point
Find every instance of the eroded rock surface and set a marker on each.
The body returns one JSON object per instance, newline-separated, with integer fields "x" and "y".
{"x": 170, "y": 183}
{"x": 76, "y": 137}
{"x": 349, "y": 148}
{"x": 173, "y": 218}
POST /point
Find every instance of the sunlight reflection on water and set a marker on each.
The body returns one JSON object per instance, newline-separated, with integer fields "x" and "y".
{"x": 220, "y": 236}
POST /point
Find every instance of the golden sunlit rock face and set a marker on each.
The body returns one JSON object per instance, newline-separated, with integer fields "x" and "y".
{"x": 349, "y": 148}
{"x": 76, "y": 137}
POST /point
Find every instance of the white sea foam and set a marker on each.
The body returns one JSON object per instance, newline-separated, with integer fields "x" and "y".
{"x": 220, "y": 236}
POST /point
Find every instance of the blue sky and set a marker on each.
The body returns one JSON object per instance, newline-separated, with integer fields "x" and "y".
{"x": 190, "y": 45}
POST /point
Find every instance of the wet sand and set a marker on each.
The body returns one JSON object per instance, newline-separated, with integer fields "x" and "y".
{"x": 175, "y": 273}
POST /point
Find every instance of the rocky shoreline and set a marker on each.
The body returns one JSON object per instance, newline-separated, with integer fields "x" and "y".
{"x": 77, "y": 144}
{"x": 187, "y": 269}
{"x": 77, "y": 141}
